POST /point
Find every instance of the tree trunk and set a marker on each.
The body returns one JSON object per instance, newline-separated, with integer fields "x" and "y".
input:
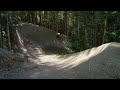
{"x": 39, "y": 17}
{"x": 36, "y": 19}
{"x": 45, "y": 19}
{"x": 65, "y": 22}
{"x": 96, "y": 22}
{"x": 68, "y": 24}
{"x": 85, "y": 33}
{"x": 57, "y": 20}
{"x": 33, "y": 16}
{"x": 8, "y": 32}
{"x": 78, "y": 20}
{"x": 99, "y": 35}
{"x": 2, "y": 36}
{"x": 0, "y": 30}
{"x": 105, "y": 27}
{"x": 12, "y": 37}
{"x": 28, "y": 16}
{"x": 54, "y": 21}
{"x": 48, "y": 18}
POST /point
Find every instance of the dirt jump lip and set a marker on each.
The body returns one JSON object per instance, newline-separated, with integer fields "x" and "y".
{"x": 45, "y": 39}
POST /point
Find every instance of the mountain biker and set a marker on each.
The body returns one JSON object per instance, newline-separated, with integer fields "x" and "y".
{"x": 58, "y": 34}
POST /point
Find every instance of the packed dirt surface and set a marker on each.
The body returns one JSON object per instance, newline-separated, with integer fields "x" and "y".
{"x": 42, "y": 47}
{"x": 32, "y": 36}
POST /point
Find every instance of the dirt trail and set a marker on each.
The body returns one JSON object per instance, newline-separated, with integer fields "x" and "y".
{"x": 101, "y": 62}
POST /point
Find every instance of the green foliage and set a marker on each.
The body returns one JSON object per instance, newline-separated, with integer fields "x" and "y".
{"x": 95, "y": 28}
{"x": 113, "y": 36}
{"x": 78, "y": 43}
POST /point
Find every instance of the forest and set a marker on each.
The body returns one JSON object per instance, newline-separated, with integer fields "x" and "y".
{"x": 84, "y": 30}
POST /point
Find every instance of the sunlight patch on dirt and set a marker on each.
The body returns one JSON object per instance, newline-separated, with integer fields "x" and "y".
{"x": 70, "y": 60}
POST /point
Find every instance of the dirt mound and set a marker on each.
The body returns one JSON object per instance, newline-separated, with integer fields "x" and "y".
{"x": 43, "y": 39}
{"x": 102, "y": 62}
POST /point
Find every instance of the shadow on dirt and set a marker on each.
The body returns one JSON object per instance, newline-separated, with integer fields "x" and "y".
{"x": 105, "y": 65}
